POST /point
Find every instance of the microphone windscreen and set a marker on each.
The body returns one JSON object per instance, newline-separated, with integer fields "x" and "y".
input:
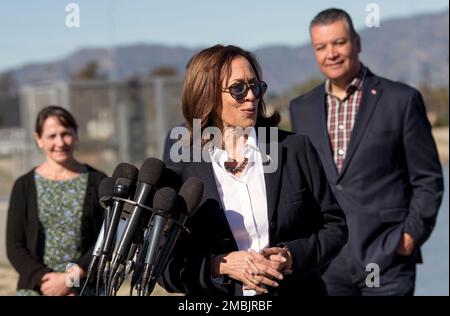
{"x": 105, "y": 188}
{"x": 151, "y": 171}
{"x": 171, "y": 177}
{"x": 192, "y": 192}
{"x": 124, "y": 182}
{"x": 125, "y": 170}
{"x": 164, "y": 199}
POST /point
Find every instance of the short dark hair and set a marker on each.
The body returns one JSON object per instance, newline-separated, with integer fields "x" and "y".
{"x": 332, "y": 15}
{"x": 64, "y": 117}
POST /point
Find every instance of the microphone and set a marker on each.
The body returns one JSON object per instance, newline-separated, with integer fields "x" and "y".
{"x": 186, "y": 205}
{"x": 125, "y": 176}
{"x": 105, "y": 191}
{"x": 163, "y": 203}
{"x": 171, "y": 177}
{"x": 138, "y": 266}
{"x": 130, "y": 258}
{"x": 148, "y": 178}
{"x": 119, "y": 233}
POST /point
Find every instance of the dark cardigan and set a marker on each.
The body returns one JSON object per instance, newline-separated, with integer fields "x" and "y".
{"x": 25, "y": 235}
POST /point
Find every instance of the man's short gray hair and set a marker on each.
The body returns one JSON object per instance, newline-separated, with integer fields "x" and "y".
{"x": 332, "y": 15}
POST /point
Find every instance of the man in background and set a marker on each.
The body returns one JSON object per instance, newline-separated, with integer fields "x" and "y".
{"x": 375, "y": 143}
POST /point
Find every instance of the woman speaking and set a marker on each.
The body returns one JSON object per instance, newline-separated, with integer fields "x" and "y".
{"x": 258, "y": 230}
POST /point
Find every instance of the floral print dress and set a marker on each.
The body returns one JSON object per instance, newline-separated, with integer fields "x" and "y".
{"x": 60, "y": 205}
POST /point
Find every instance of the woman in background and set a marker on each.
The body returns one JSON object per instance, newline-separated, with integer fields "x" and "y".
{"x": 54, "y": 217}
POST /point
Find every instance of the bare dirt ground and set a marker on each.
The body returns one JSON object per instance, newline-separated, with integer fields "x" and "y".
{"x": 8, "y": 282}
{"x": 441, "y": 137}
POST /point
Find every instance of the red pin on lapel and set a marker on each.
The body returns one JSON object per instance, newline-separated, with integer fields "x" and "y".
{"x": 373, "y": 91}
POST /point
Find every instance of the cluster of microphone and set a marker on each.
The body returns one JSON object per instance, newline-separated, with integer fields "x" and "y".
{"x": 145, "y": 212}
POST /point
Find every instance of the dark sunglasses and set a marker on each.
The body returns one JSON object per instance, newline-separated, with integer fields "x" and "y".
{"x": 239, "y": 90}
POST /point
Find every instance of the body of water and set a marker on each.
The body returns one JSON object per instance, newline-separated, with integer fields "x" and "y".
{"x": 433, "y": 274}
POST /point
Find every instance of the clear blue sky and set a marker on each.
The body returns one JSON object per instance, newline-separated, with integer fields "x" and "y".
{"x": 35, "y": 31}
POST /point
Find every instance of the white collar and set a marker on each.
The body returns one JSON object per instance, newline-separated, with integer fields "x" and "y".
{"x": 251, "y": 148}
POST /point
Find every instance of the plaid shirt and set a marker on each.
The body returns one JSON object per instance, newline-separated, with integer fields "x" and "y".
{"x": 341, "y": 116}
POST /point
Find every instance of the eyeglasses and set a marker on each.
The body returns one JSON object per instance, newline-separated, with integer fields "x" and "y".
{"x": 240, "y": 89}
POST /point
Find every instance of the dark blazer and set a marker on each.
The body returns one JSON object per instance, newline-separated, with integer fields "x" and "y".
{"x": 391, "y": 179}
{"x": 302, "y": 214}
{"x": 25, "y": 236}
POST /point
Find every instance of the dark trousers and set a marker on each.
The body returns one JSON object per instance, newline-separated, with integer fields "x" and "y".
{"x": 398, "y": 280}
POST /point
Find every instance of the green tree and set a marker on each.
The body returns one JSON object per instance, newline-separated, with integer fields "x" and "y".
{"x": 436, "y": 101}
{"x": 89, "y": 71}
{"x": 7, "y": 83}
{"x": 164, "y": 71}
{"x": 306, "y": 86}
{"x": 281, "y": 102}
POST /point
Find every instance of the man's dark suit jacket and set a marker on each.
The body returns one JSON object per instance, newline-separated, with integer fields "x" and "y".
{"x": 391, "y": 179}
{"x": 302, "y": 213}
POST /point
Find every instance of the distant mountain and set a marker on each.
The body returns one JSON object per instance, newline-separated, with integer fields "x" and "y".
{"x": 121, "y": 63}
{"x": 413, "y": 49}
